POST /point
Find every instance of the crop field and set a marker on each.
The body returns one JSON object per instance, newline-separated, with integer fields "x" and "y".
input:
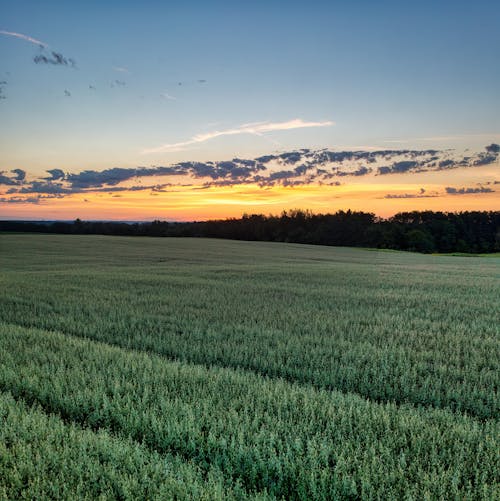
{"x": 142, "y": 368}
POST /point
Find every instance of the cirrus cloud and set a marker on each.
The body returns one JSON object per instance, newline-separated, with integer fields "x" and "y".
{"x": 23, "y": 37}
{"x": 256, "y": 128}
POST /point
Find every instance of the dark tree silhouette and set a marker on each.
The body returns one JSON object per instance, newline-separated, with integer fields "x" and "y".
{"x": 469, "y": 232}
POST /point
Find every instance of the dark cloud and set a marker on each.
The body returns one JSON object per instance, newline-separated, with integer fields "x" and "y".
{"x": 445, "y": 164}
{"x": 20, "y": 174}
{"x": 234, "y": 169}
{"x": 19, "y": 200}
{"x": 291, "y": 158}
{"x": 3, "y": 83}
{"x": 403, "y": 166}
{"x": 116, "y": 175}
{"x": 362, "y": 171}
{"x": 298, "y": 167}
{"x": 467, "y": 191}
{"x": 28, "y": 200}
{"x": 283, "y": 174}
{"x": 400, "y": 167}
{"x": 160, "y": 188}
{"x": 266, "y": 158}
{"x": 55, "y": 174}
{"x": 7, "y": 180}
{"x": 302, "y": 169}
{"x": 493, "y": 148}
{"x": 96, "y": 179}
{"x": 44, "y": 187}
{"x": 411, "y": 195}
{"x": 54, "y": 58}
{"x": 384, "y": 170}
{"x": 485, "y": 159}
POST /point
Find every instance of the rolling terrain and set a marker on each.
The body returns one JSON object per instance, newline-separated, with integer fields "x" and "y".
{"x": 208, "y": 369}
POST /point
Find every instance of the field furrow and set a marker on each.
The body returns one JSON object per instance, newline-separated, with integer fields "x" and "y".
{"x": 391, "y": 327}
{"x": 43, "y": 458}
{"x": 267, "y": 435}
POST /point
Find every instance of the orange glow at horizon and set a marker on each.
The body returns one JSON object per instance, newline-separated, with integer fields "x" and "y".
{"x": 187, "y": 204}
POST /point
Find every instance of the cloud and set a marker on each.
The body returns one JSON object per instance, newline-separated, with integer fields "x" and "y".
{"x": 7, "y": 180}
{"x": 19, "y": 200}
{"x": 292, "y": 168}
{"x": 2, "y": 84}
{"x": 256, "y": 128}
{"x": 467, "y": 191}
{"x": 28, "y": 200}
{"x": 54, "y": 58}
{"x": 166, "y": 95}
{"x": 95, "y": 179}
{"x": 20, "y": 174}
{"x": 398, "y": 167}
{"x": 23, "y": 37}
{"x": 362, "y": 171}
{"x": 116, "y": 175}
{"x": 189, "y": 82}
{"x": 291, "y": 157}
{"x": 43, "y": 187}
{"x": 446, "y": 163}
{"x": 493, "y": 148}
{"x": 421, "y": 194}
{"x": 45, "y": 57}
{"x": 484, "y": 159}
{"x": 55, "y": 174}
{"x": 120, "y": 69}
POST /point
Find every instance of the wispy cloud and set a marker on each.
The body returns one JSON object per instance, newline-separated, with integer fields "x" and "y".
{"x": 46, "y": 56}
{"x": 23, "y": 37}
{"x": 256, "y": 128}
{"x": 120, "y": 69}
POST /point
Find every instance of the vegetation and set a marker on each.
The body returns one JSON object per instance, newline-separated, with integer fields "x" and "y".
{"x": 42, "y": 457}
{"x": 207, "y": 369}
{"x": 463, "y": 232}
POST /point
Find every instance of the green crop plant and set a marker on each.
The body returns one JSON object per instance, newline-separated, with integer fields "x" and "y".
{"x": 255, "y": 369}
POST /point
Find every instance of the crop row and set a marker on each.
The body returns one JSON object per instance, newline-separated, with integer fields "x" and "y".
{"x": 43, "y": 458}
{"x": 267, "y": 436}
{"x": 390, "y": 327}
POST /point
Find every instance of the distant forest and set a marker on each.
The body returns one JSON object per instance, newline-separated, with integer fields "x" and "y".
{"x": 467, "y": 232}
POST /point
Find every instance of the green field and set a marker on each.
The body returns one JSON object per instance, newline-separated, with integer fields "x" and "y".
{"x": 140, "y": 368}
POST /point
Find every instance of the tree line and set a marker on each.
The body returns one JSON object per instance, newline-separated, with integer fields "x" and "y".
{"x": 426, "y": 231}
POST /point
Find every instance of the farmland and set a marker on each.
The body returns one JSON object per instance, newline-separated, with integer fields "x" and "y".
{"x": 206, "y": 369}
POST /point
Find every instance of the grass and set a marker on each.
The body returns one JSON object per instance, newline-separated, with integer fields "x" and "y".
{"x": 257, "y": 369}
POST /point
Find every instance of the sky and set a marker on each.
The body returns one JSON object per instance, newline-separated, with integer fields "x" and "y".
{"x": 195, "y": 110}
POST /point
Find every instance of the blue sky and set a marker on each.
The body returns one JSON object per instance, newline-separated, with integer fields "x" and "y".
{"x": 359, "y": 74}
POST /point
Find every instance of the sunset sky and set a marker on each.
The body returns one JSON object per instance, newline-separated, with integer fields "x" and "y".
{"x": 195, "y": 110}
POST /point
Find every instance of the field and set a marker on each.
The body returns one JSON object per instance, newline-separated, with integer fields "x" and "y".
{"x": 141, "y": 368}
